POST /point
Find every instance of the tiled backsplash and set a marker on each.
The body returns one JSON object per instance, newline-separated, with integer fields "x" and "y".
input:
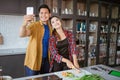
{"x": 9, "y": 27}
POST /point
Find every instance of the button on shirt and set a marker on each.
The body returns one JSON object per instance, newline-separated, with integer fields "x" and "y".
{"x": 45, "y": 41}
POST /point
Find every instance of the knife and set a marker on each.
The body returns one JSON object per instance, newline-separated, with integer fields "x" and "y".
{"x": 77, "y": 69}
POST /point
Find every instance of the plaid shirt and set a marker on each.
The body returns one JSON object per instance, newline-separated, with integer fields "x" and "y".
{"x": 53, "y": 50}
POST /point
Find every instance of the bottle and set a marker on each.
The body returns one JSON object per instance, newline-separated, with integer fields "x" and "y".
{"x": 1, "y": 39}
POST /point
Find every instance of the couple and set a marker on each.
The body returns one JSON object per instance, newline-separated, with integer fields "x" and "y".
{"x": 50, "y": 48}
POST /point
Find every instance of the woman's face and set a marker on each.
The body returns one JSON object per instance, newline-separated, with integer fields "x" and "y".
{"x": 55, "y": 22}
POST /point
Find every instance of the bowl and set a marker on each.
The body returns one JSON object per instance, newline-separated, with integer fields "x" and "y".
{"x": 6, "y": 78}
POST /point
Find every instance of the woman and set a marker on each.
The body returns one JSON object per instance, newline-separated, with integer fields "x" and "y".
{"x": 62, "y": 47}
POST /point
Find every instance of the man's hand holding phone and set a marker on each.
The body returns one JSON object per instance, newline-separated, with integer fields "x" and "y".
{"x": 29, "y": 17}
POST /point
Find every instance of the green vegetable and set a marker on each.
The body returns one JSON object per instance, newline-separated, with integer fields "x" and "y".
{"x": 69, "y": 74}
{"x": 90, "y": 77}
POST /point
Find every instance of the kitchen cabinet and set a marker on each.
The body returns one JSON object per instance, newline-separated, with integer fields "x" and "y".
{"x": 118, "y": 41}
{"x": 17, "y": 7}
{"x": 12, "y": 65}
{"x": 95, "y": 24}
{"x": 108, "y": 33}
{"x": 103, "y": 33}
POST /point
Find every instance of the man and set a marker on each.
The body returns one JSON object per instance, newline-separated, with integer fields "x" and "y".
{"x": 37, "y": 54}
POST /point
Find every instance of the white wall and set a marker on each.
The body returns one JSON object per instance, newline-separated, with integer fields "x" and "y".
{"x": 9, "y": 27}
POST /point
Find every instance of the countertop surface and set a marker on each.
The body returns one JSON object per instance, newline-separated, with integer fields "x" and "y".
{"x": 13, "y": 51}
{"x": 102, "y": 70}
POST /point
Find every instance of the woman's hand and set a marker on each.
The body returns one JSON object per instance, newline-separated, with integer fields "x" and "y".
{"x": 71, "y": 65}
{"x": 68, "y": 63}
{"x": 75, "y": 61}
{"x": 76, "y": 65}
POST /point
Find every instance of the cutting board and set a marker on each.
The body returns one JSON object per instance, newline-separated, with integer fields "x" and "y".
{"x": 76, "y": 74}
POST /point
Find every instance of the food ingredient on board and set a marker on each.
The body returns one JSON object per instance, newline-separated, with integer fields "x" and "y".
{"x": 67, "y": 74}
{"x": 90, "y": 77}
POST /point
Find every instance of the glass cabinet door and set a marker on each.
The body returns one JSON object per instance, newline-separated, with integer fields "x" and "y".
{"x": 93, "y": 8}
{"x": 53, "y": 5}
{"x": 103, "y": 42}
{"x": 105, "y": 10}
{"x": 67, "y": 24}
{"x": 118, "y": 46}
{"x": 82, "y": 7}
{"x": 67, "y": 7}
{"x": 93, "y": 27}
{"x": 113, "y": 39}
{"x": 118, "y": 41}
{"x": 81, "y": 40}
{"x": 115, "y": 10}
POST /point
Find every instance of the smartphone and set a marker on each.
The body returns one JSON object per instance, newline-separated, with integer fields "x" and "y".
{"x": 114, "y": 73}
{"x": 29, "y": 10}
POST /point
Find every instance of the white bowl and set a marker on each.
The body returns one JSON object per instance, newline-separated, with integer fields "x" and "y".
{"x": 6, "y": 78}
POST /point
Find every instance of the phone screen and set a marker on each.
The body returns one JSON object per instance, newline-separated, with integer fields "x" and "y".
{"x": 29, "y": 10}
{"x": 114, "y": 73}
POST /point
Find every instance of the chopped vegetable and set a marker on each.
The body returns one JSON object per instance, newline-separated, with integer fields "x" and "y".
{"x": 90, "y": 77}
{"x": 67, "y": 74}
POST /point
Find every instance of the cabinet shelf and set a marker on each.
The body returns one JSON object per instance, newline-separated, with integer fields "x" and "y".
{"x": 67, "y": 16}
{"x": 94, "y": 18}
{"x": 92, "y": 31}
{"x": 113, "y": 43}
{"x": 93, "y": 44}
{"x": 78, "y": 32}
{"x": 81, "y": 45}
{"x": 55, "y": 14}
{"x": 81, "y": 17}
{"x": 118, "y": 33}
{"x": 104, "y": 19}
{"x": 104, "y": 33}
{"x": 103, "y": 56}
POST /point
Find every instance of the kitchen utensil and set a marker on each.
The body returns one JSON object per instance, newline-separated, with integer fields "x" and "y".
{"x": 78, "y": 70}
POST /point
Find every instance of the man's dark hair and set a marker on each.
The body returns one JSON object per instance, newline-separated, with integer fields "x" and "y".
{"x": 44, "y": 6}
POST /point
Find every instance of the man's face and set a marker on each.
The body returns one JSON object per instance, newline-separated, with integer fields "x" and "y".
{"x": 44, "y": 14}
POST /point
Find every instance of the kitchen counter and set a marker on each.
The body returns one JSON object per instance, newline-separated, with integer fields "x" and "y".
{"x": 101, "y": 70}
{"x": 13, "y": 51}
